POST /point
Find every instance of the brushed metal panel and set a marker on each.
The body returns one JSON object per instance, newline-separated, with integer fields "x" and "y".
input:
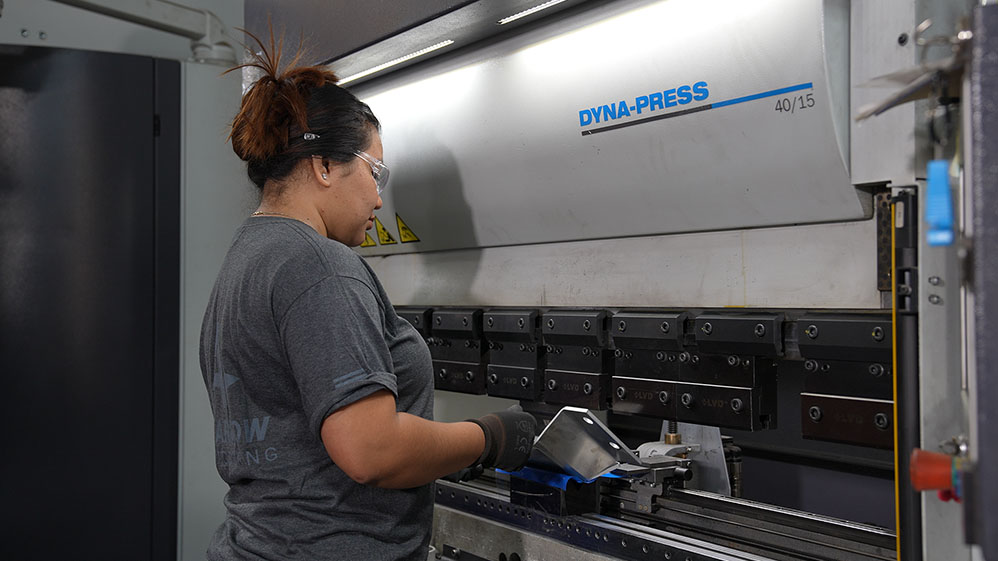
{"x": 812, "y": 266}
{"x": 882, "y": 148}
{"x": 487, "y": 149}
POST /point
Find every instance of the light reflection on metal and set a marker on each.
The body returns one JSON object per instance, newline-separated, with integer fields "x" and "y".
{"x": 395, "y": 62}
{"x": 580, "y": 444}
{"x": 530, "y": 11}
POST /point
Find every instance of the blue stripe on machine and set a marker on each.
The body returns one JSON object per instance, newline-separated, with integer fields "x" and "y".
{"x": 770, "y": 93}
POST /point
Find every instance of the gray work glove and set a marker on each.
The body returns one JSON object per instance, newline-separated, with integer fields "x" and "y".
{"x": 466, "y": 474}
{"x": 509, "y": 438}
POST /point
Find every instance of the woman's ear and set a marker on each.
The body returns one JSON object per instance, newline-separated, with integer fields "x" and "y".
{"x": 320, "y": 169}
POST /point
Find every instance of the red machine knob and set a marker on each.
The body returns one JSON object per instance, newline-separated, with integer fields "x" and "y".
{"x": 931, "y": 470}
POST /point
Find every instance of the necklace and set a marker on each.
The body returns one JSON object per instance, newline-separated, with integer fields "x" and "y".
{"x": 271, "y": 213}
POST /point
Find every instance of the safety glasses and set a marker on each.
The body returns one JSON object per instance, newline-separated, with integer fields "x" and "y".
{"x": 378, "y": 169}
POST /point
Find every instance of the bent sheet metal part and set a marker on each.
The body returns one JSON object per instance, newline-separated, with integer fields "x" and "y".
{"x": 578, "y": 442}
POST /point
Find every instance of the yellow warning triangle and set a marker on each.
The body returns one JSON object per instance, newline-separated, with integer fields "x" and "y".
{"x": 384, "y": 237}
{"x": 368, "y": 241}
{"x": 405, "y": 234}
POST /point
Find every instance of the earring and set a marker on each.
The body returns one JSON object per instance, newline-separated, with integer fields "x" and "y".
{"x": 324, "y": 176}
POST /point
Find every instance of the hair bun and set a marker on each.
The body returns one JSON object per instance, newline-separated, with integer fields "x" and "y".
{"x": 276, "y": 103}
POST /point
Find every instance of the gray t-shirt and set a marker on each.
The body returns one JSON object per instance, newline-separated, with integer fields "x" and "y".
{"x": 297, "y": 327}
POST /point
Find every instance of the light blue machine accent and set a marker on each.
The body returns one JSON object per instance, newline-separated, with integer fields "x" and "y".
{"x": 553, "y": 479}
{"x": 938, "y": 204}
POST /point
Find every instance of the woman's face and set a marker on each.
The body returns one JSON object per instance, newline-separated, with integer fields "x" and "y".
{"x": 354, "y": 198}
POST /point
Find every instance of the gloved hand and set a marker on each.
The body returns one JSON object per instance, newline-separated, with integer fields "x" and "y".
{"x": 466, "y": 474}
{"x": 509, "y": 438}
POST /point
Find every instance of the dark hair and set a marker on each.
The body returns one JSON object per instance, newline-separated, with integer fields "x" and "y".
{"x": 269, "y": 132}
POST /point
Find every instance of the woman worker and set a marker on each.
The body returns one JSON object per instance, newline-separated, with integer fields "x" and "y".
{"x": 322, "y": 395}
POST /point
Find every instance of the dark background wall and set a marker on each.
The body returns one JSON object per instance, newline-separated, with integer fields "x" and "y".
{"x": 89, "y": 310}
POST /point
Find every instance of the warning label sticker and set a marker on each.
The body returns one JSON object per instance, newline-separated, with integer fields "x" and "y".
{"x": 368, "y": 241}
{"x": 405, "y": 233}
{"x": 384, "y": 236}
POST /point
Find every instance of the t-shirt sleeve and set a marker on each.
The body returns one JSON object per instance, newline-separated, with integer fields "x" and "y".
{"x": 335, "y": 343}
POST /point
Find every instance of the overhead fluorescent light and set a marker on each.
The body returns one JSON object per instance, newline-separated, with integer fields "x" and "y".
{"x": 394, "y": 62}
{"x": 526, "y": 13}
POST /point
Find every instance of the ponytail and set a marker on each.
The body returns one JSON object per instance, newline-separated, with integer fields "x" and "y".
{"x": 282, "y": 105}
